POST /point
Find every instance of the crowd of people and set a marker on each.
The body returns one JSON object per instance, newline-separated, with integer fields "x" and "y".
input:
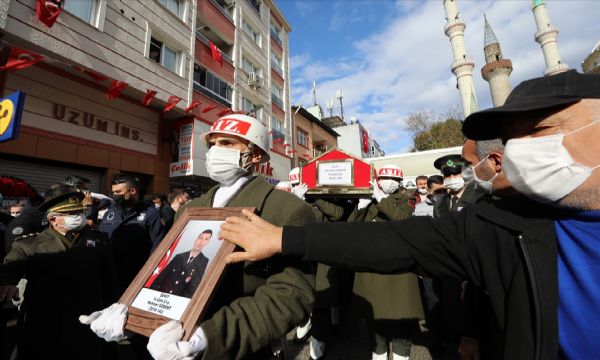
{"x": 494, "y": 258}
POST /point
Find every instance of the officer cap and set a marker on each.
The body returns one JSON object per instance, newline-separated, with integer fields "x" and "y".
{"x": 449, "y": 163}
{"x": 64, "y": 203}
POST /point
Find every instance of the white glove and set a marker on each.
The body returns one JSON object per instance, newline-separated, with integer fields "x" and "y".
{"x": 378, "y": 194}
{"x": 363, "y": 203}
{"x": 300, "y": 190}
{"x": 21, "y": 286}
{"x": 165, "y": 344}
{"x": 108, "y": 324}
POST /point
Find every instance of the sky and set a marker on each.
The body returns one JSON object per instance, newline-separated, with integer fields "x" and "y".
{"x": 391, "y": 58}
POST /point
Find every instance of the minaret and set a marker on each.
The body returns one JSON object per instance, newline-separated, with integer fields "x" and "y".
{"x": 496, "y": 69}
{"x": 546, "y": 37}
{"x": 462, "y": 67}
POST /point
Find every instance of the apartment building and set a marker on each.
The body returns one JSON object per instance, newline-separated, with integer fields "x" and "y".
{"x": 252, "y": 77}
{"x": 69, "y": 126}
{"x": 313, "y": 137}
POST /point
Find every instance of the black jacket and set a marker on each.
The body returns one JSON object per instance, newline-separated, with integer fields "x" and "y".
{"x": 508, "y": 248}
{"x": 180, "y": 277}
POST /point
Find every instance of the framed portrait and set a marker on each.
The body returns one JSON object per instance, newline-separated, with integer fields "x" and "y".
{"x": 181, "y": 275}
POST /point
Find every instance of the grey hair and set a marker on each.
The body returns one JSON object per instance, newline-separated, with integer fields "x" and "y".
{"x": 485, "y": 147}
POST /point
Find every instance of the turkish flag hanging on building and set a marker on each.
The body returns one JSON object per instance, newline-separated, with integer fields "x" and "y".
{"x": 224, "y": 112}
{"x": 365, "y": 141}
{"x": 192, "y": 106}
{"x": 19, "y": 59}
{"x": 163, "y": 262}
{"x": 171, "y": 102}
{"x": 150, "y": 94}
{"x": 115, "y": 89}
{"x": 47, "y": 11}
{"x": 216, "y": 52}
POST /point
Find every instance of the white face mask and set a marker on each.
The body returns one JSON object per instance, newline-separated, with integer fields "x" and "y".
{"x": 542, "y": 169}
{"x": 454, "y": 183}
{"x": 389, "y": 186}
{"x": 223, "y": 165}
{"x": 74, "y": 222}
{"x": 468, "y": 173}
{"x": 423, "y": 191}
{"x": 486, "y": 185}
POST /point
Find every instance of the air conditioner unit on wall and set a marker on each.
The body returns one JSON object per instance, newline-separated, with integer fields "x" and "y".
{"x": 254, "y": 80}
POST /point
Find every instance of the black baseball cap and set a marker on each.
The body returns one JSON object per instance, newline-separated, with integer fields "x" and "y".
{"x": 540, "y": 93}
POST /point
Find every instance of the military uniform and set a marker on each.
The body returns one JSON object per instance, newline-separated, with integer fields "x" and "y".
{"x": 258, "y": 302}
{"x": 387, "y": 299}
{"x": 181, "y": 277}
{"x": 67, "y": 276}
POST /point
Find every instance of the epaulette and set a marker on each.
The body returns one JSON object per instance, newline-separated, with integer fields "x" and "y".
{"x": 26, "y": 236}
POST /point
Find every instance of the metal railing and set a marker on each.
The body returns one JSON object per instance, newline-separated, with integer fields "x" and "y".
{"x": 277, "y": 101}
{"x": 223, "y": 10}
{"x": 276, "y": 37}
{"x": 205, "y": 41}
{"x": 277, "y": 68}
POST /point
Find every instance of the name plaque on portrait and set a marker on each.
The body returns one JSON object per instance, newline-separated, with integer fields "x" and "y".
{"x": 335, "y": 173}
{"x": 168, "y": 305}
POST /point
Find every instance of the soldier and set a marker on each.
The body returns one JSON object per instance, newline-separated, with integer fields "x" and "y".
{"x": 394, "y": 300}
{"x": 184, "y": 273}
{"x": 257, "y": 303}
{"x": 69, "y": 270}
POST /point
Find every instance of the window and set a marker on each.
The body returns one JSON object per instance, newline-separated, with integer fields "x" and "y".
{"x": 249, "y": 30}
{"x": 276, "y": 63}
{"x": 275, "y": 33}
{"x": 83, "y": 9}
{"x": 174, "y": 5}
{"x": 278, "y": 137}
{"x": 211, "y": 86}
{"x": 276, "y": 95}
{"x": 249, "y": 67}
{"x": 248, "y": 106}
{"x": 164, "y": 55}
{"x": 302, "y": 138}
{"x": 255, "y": 4}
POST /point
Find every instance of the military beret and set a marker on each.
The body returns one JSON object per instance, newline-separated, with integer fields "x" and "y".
{"x": 64, "y": 203}
{"x": 449, "y": 161}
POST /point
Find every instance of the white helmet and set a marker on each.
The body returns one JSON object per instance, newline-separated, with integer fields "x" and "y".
{"x": 245, "y": 127}
{"x": 294, "y": 176}
{"x": 283, "y": 186}
{"x": 391, "y": 171}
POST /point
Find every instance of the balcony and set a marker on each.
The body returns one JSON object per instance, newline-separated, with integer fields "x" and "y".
{"x": 203, "y": 56}
{"x": 277, "y": 68}
{"x": 276, "y": 37}
{"x": 277, "y": 101}
{"x": 215, "y": 15}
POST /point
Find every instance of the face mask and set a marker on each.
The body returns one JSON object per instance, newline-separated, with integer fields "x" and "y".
{"x": 15, "y": 214}
{"x": 423, "y": 191}
{"x": 389, "y": 186}
{"x": 454, "y": 184}
{"x": 542, "y": 169}
{"x": 468, "y": 173}
{"x": 223, "y": 165}
{"x": 486, "y": 185}
{"x": 74, "y": 222}
{"x": 157, "y": 206}
{"x": 119, "y": 199}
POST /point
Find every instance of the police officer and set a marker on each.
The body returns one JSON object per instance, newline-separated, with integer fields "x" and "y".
{"x": 69, "y": 270}
{"x": 134, "y": 228}
{"x": 256, "y": 303}
{"x": 394, "y": 301}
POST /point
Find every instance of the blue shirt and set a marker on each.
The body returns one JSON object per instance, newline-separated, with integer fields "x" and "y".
{"x": 579, "y": 285}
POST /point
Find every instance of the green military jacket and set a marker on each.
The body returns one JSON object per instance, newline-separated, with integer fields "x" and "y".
{"x": 259, "y": 302}
{"x": 389, "y": 297}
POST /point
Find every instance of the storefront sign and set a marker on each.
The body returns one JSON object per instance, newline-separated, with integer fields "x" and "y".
{"x": 181, "y": 168}
{"x": 11, "y": 109}
{"x": 182, "y": 136}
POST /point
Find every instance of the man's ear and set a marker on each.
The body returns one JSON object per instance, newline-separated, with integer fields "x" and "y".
{"x": 133, "y": 191}
{"x": 496, "y": 157}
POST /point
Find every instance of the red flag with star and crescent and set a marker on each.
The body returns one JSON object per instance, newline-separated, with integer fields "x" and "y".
{"x": 171, "y": 102}
{"x": 19, "y": 59}
{"x": 150, "y": 94}
{"x": 47, "y": 11}
{"x": 216, "y": 52}
{"x": 162, "y": 264}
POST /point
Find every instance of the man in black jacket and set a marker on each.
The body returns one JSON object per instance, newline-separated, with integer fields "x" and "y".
{"x": 537, "y": 260}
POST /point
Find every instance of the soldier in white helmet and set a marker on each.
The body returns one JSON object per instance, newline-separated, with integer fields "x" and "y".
{"x": 394, "y": 301}
{"x": 256, "y": 303}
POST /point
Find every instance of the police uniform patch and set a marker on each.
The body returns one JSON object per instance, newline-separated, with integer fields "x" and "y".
{"x": 18, "y": 230}
{"x": 90, "y": 243}
{"x": 110, "y": 216}
{"x": 141, "y": 217}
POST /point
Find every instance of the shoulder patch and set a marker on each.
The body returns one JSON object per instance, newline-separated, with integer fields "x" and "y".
{"x": 18, "y": 230}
